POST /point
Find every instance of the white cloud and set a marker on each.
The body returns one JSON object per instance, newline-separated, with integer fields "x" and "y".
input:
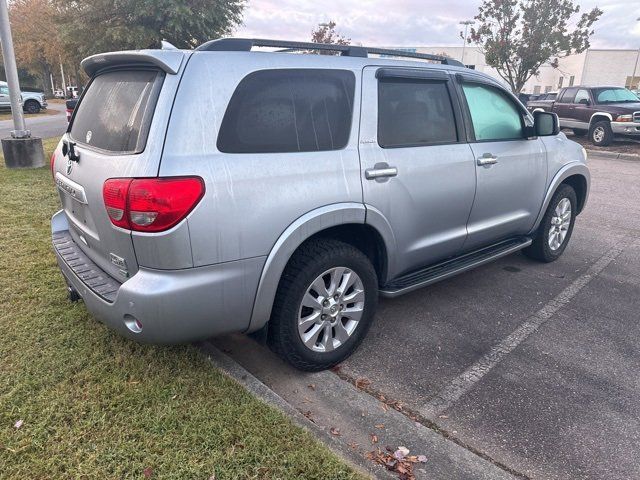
{"x": 412, "y": 22}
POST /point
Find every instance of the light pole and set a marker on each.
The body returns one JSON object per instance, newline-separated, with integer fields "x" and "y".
{"x": 635, "y": 67}
{"x": 20, "y": 150}
{"x": 466, "y": 24}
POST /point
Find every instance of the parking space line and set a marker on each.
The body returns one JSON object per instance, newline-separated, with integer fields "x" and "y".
{"x": 459, "y": 386}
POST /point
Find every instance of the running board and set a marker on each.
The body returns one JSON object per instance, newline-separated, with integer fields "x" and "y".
{"x": 452, "y": 266}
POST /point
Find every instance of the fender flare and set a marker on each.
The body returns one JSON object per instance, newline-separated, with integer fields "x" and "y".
{"x": 600, "y": 114}
{"x": 379, "y": 222}
{"x": 568, "y": 170}
{"x": 294, "y": 235}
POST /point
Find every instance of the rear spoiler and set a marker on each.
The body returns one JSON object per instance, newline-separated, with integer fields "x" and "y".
{"x": 167, "y": 60}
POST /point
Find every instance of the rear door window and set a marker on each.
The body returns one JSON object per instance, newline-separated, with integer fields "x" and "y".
{"x": 289, "y": 110}
{"x": 582, "y": 96}
{"x": 414, "y": 112}
{"x": 116, "y": 111}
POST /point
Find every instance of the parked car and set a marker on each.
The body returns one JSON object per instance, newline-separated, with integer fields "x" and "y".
{"x": 542, "y": 101}
{"x": 32, "y": 102}
{"x": 601, "y": 112}
{"x": 291, "y": 195}
{"x": 70, "y": 107}
{"x": 526, "y": 97}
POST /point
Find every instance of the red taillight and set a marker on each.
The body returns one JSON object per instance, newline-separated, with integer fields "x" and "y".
{"x": 114, "y": 194}
{"x": 151, "y": 204}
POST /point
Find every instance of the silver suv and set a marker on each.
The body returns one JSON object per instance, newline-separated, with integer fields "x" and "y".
{"x": 228, "y": 190}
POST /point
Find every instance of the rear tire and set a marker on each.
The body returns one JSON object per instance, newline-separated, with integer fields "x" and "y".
{"x": 315, "y": 277}
{"x": 601, "y": 134}
{"x": 554, "y": 232}
{"x": 31, "y": 106}
{"x": 579, "y": 133}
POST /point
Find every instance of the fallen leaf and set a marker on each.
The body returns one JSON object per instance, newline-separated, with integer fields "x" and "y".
{"x": 443, "y": 416}
{"x": 18, "y": 424}
{"x": 362, "y": 383}
{"x": 422, "y": 458}
{"x": 384, "y": 406}
{"x": 401, "y": 452}
{"x": 380, "y": 425}
{"x": 335, "y": 431}
{"x": 374, "y": 438}
{"x": 311, "y": 386}
{"x": 147, "y": 472}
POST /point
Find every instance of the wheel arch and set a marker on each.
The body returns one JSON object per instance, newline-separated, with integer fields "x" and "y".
{"x": 343, "y": 221}
{"x": 575, "y": 174}
{"x": 596, "y": 117}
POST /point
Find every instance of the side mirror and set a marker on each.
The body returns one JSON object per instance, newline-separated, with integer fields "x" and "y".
{"x": 545, "y": 124}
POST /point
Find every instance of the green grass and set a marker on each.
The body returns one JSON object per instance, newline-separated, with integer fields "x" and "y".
{"x": 95, "y": 405}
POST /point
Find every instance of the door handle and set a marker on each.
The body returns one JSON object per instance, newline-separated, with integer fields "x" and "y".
{"x": 487, "y": 159}
{"x": 373, "y": 173}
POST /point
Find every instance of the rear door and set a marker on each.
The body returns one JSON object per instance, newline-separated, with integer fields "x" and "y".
{"x": 111, "y": 135}
{"x": 418, "y": 170}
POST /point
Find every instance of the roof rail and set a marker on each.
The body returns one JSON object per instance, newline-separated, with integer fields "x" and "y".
{"x": 246, "y": 44}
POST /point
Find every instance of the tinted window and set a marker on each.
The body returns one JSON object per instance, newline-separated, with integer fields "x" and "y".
{"x": 289, "y": 111}
{"x": 568, "y": 95}
{"x": 493, "y": 115}
{"x": 115, "y": 113}
{"x": 414, "y": 112}
{"x": 582, "y": 96}
{"x": 4, "y": 90}
{"x": 551, "y": 96}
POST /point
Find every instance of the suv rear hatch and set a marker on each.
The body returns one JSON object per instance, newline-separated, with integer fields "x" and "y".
{"x": 114, "y": 133}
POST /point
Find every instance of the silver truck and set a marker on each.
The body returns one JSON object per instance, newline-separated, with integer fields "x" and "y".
{"x": 228, "y": 190}
{"x": 32, "y": 102}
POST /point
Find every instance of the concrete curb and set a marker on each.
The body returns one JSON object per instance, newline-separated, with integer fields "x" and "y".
{"x": 329, "y": 402}
{"x": 614, "y": 155}
{"x": 235, "y": 371}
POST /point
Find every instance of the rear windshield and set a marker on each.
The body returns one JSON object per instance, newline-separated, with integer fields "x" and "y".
{"x": 116, "y": 110}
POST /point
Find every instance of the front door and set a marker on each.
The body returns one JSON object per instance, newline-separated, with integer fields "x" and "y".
{"x": 417, "y": 170}
{"x": 511, "y": 170}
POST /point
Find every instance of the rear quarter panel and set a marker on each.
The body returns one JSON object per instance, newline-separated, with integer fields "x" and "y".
{"x": 250, "y": 199}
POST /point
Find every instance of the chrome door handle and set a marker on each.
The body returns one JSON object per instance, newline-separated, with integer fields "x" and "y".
{"x": 487, "y": 159}
{"x": 373, "y": 173}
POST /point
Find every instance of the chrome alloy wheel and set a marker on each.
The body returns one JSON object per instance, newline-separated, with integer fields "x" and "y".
{"x": 598, "y": 134}
{"x": 560, "y": 223}
{"x": 330, "y": 310}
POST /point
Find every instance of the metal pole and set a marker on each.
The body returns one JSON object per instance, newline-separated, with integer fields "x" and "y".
{"x": 64, "y": 83}
{"x": 11, "y": 70}
{"x": 466, "y": 24}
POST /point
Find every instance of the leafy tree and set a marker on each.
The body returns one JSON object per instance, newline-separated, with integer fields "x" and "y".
{"x": 35, "y": 36}
{"x": 93, "y": 26}
{"x": 518, "y": 36}
{"x": 326, "y": 33}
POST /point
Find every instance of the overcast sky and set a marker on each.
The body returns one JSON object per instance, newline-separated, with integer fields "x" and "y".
{"x": 412, "y": 22}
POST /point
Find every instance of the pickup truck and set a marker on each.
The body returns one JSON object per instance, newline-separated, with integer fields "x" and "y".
{"x": 541, "y": 101}
{"x": 32, "y": 102}
{"x": 601, "y": 112}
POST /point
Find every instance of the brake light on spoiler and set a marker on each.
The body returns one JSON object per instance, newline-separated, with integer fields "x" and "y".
{"x": 151, "y": 204}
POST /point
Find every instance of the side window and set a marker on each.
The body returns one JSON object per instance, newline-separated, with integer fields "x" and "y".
{"x": 289, "y": 110}
{"x": 414, "y": 112}
{"x": 581, "y": 97}
{"x": 493, "y": 115}
{"x": 4, "y": 90}
{"x": 568, "y": 95}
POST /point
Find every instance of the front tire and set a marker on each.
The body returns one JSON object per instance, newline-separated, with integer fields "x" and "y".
{"x": 32, "y": 106}
{"x": 556, "y": 227}
{"x": 601, "y": 134}
{"x": 324, "y": 306}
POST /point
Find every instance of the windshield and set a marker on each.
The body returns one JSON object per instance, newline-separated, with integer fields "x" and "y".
{"x": 614, "y": 95}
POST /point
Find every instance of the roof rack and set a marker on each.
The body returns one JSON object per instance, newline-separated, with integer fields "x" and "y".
{"x": 246, "y": 44}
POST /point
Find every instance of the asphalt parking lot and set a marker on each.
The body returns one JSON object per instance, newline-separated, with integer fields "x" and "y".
{"x": 531, "y": 366}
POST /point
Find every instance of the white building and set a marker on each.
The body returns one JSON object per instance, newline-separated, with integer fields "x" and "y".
{"x": 592, "y": 67}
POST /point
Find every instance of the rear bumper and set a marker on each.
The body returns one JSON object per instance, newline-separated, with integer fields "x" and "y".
{"x": 625, "y": 128}
{"x": 172, "y": 306}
